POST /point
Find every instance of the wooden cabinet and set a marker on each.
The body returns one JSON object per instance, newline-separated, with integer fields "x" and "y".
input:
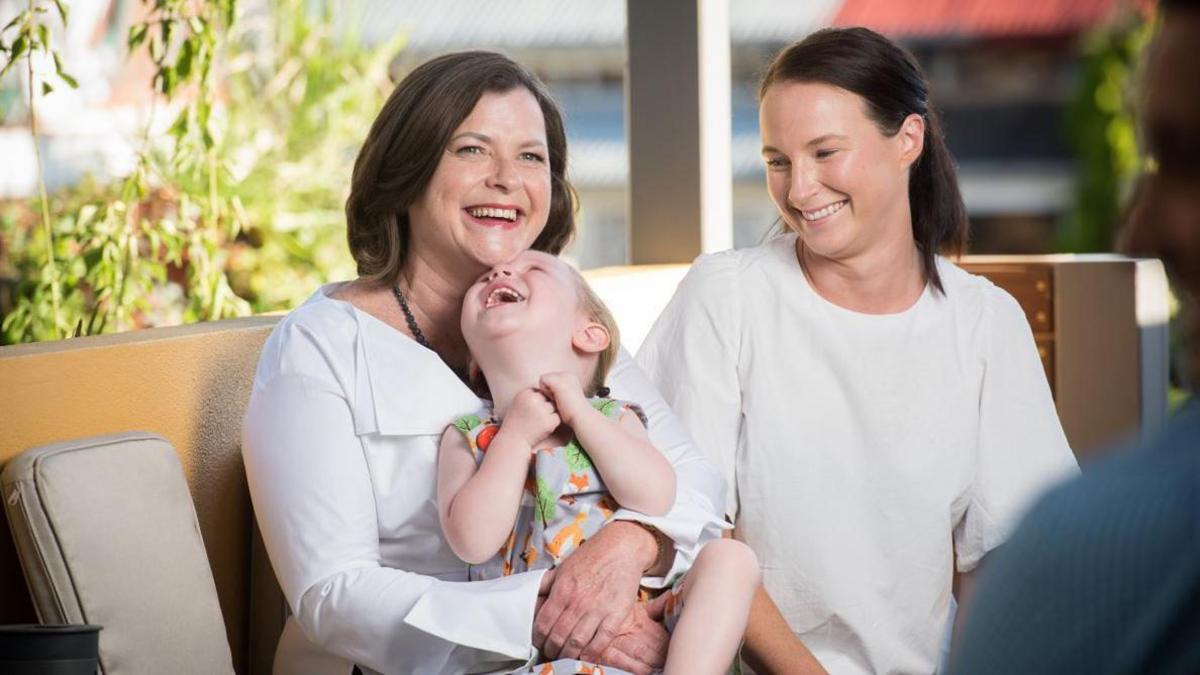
{"x": 1032, "y": 284}
{"x": 1100, "y": 325}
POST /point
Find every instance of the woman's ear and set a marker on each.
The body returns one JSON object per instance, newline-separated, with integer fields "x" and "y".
{"x": 912, "y": 139}
{"x": 591, "y": 337}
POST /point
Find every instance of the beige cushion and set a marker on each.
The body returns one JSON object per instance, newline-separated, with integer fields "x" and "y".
{"x": 106, "y": 534}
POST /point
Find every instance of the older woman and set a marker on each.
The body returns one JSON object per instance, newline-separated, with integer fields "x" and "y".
{"x": 464, "y": 168}
{"x": 881, "y": 415}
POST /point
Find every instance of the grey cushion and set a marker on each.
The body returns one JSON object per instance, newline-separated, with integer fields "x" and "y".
{"x": 107, "y": 534}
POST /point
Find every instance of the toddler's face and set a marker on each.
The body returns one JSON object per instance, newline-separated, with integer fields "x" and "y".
{"x": 534, "y": 298}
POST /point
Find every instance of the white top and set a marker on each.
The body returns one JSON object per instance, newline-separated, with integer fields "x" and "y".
{"x": 340, "y": 444}
{"x": 866, "y": 451}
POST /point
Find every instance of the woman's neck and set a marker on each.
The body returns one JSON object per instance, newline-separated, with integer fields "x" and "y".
{"x": 886, "y": 279}
{"x": 435, "y": 298}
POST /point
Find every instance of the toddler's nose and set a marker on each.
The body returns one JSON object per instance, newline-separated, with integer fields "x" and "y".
{"x": 499, "y": 271}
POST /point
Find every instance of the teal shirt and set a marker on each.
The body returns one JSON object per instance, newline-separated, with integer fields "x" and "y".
{"x": 1103, "y": 576}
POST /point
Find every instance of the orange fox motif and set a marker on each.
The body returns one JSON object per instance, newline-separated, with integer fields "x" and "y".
{"x": 506, "y": 552}
{"x": 530, "y": 556}
{"x": 579, "y": 481}
{"x": 569, "y": 537}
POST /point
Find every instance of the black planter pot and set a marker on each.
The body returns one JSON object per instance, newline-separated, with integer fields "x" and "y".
{"x": 50, "y": 649}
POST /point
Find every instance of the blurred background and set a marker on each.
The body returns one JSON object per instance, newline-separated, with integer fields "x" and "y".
{"x": 195, "y": 154}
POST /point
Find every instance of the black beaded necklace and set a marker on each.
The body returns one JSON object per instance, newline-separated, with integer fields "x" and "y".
{"x": 410, "y": 319}
{"x": 420, "y": 337}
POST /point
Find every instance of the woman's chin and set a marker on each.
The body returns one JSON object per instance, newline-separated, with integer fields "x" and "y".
{"x": 498, "y": 247}
{"x": 824, "y": 243}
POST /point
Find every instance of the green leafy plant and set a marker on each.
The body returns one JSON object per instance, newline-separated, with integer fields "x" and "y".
{"x": 237, "y": 208}
{"x": 31, "y": 35}
{"x": 1103, "y": 131}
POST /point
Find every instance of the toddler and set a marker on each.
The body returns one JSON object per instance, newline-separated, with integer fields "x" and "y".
{"x": 524, "y": 482}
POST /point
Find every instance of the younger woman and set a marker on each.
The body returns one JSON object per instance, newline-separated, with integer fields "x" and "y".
{"x": 881, "y": 415}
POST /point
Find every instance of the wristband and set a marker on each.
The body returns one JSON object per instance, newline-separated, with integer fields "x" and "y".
{"x": 663, "y": 542}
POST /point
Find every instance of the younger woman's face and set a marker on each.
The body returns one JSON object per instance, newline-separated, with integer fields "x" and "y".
{"x": 837, "y": 180}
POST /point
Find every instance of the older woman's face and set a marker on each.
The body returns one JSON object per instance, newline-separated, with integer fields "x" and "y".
{"x": 836, "y": 179}
{"x": 489, "y": 197}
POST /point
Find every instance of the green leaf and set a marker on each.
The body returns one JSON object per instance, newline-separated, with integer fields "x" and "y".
{"x": 137, "y": 35}
{"x": 466, "y": 423}
{"x": 156, "y": 49}
{"x": 63, "y": 10}
{"x": 577, "y": 458}
{"x": 547, "y": 501}
{"x": 168, "y": 80}
{"x": 184, "y": 64}
{"x": 44, "y": 36}
{"x": 609, "y": 407}
{"x": 16, "y": 19}
{"x": 46, "y": 88}
{"x": 69, "y": 80}
{"x": 19, "y": 46}
{"x": 12, "y": 61}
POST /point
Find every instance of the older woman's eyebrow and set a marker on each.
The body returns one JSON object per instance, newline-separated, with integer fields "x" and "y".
{"x": 535, "y": 142}
{"x": 472, "y": 134}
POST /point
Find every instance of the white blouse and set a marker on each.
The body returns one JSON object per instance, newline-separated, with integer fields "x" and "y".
{"x": 340, "y": 444}
{"x": 864, "y": 452}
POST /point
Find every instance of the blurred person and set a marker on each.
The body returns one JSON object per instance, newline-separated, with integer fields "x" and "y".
{"x": 881, "y": 415}
{"x": 1104, "y": 574}
{"x": 463, "y": 169}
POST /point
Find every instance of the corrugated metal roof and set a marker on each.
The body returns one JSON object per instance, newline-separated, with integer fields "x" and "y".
{"x": 948, "y": 18}
{"x": 459, "y": 24}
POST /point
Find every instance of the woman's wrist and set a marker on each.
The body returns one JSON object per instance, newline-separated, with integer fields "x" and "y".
{"x": 653, "y": 550}
{"x": 664, "y": 553}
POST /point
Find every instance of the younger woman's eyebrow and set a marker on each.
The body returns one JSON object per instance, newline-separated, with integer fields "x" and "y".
{"x": 827, "y": 137}
{"x": 816, "y": 141}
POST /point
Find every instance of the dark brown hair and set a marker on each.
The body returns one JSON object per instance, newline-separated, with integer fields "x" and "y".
{"x": 406, "y": 142}
{"x": 888, "y": 78}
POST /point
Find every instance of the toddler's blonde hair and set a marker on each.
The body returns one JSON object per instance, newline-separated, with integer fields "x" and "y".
{"x": 597, "y": 311}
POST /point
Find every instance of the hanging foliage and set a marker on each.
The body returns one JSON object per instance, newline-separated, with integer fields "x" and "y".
{"x": 237, "y": 208}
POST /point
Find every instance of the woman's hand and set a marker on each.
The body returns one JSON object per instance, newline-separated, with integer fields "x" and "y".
{"x": 641, "y": 645}
{"x": 592, "y": 597}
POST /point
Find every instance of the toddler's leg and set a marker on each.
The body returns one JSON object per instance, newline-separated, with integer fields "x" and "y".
{"x": 716, "y": 597}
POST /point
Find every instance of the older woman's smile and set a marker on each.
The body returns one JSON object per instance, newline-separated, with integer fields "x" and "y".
{"x": 496, "y": 215}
